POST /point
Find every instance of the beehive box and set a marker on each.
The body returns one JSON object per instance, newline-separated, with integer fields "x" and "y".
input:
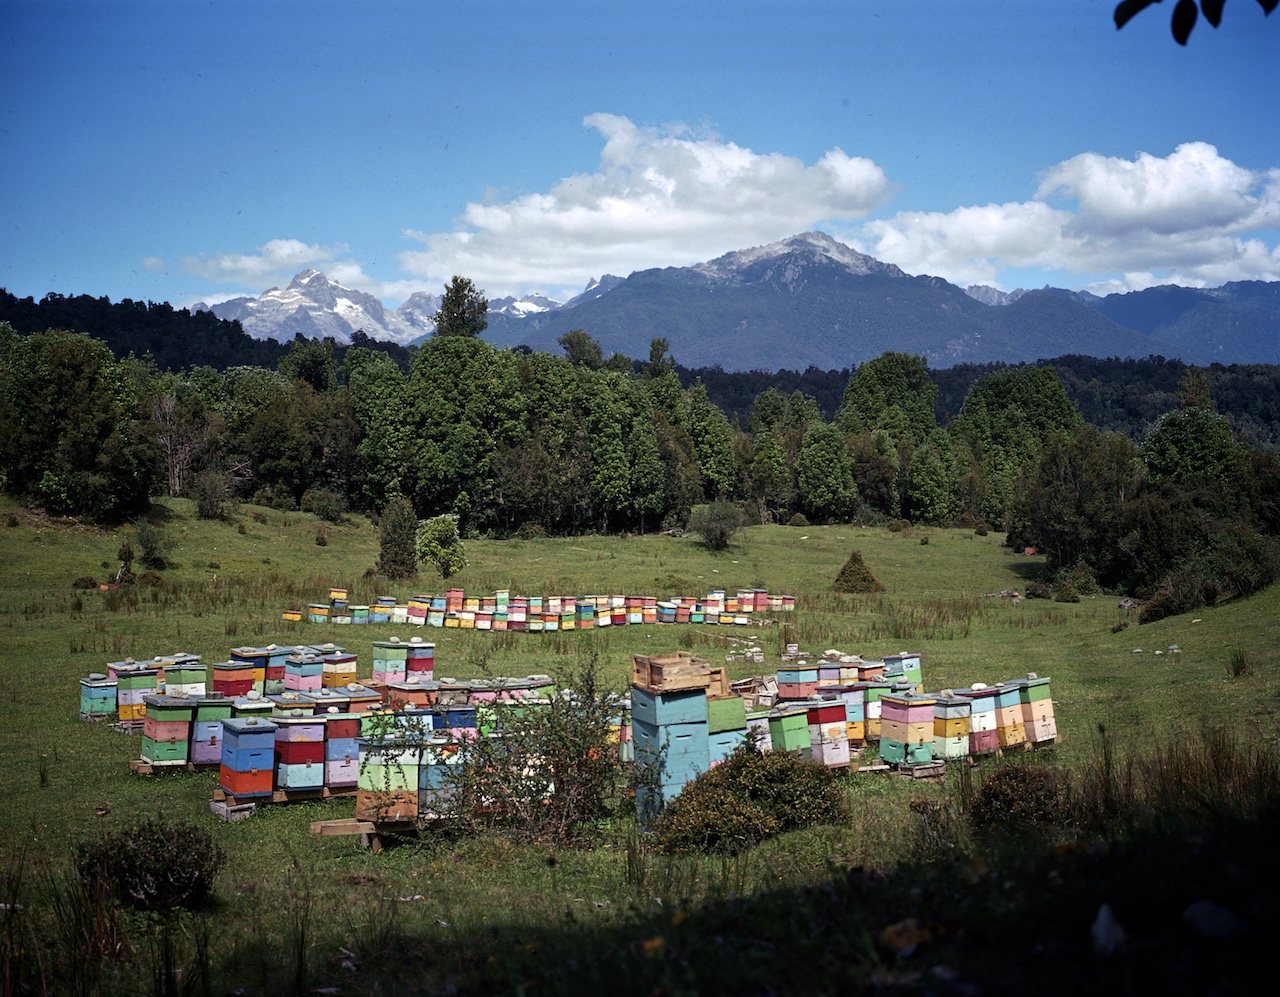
{"x": 660, "y": 708}
{"x": 670, "y": 672}
{"x": 726, "y": 714}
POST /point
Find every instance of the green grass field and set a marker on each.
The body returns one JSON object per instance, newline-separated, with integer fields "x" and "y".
{"x": 488, "y": 915}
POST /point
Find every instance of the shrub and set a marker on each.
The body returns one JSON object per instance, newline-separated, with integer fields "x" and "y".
{"x": 855, "y": 576}
{"x": 1018, "y": 798}
{"x": 716, "y": 523}
{"x": 323, "y": 502}
{"x": 153, "y": 545}
{"x": 751, "y": 796}
{"x": 153, "y": 865}
{"x": 397, "y": 539}
{"x": 1067, "y": 593}
{"x": 898, "y": 525}
{"x": 211, "y": 489}
{"x": 1081, "y": 578}
{"x": 438, "y": 543}
{"x": 322, "y": 537}
{"x": 1038, "y": 590}
{"x": 259, "y": 517}
{"x": 149, "y": 578}
{"x": 531, "y": 531}
{"x": 981, "y": 531}
{"x": 924, "y": 541}
{"x": 276, "y": 498}
{"x": 799, "y": 519}
{"x": 85, "y": 582}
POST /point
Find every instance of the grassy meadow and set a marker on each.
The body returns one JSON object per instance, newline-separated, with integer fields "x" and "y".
{"x": 437, "y": 914}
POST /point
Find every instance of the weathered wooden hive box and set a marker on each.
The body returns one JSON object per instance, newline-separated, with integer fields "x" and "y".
{"x": 828, "y": 725}
{"x": 387, "y": 785}
{"x": 247, "y": 766}
{"x": 252, "y": 704}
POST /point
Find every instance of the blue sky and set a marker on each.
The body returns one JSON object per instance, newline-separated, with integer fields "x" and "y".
{"x": 186, "y": 151}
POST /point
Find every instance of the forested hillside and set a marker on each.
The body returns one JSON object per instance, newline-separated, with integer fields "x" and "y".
{"x": 1181, "y": 505}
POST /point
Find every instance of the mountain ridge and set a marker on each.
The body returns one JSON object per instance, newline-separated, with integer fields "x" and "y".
{"x": 809, "y": 300}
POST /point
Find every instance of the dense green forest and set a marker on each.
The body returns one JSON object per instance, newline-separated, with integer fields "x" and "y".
{"x": 1126, "y": 473}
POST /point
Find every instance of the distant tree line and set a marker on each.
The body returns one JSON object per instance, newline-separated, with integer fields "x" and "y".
{"x": 517, "y": 442}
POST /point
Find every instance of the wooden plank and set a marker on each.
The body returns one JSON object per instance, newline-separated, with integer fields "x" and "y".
{"x": 350, "y": 825}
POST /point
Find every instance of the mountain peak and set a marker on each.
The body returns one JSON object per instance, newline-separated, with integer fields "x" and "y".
{"x": 813, "y": 246}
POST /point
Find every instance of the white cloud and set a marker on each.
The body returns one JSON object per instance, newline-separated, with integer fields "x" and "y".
{"x": 153, "y": 264}
{"x": 660, "y": 197}
{"x": 274, "y": 262}
{"x": 1192, "y": 217}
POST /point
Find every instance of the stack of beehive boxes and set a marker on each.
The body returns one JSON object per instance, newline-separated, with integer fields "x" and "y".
{"x": 390, "y": 661}
{"x": 99, "y": 697}
{"x": 303, "y": 671}
{"x": 828, "y": 723}
{"x": 388, "y": 779}
{"x": 906, "y": 728}
{"x": 872, "y": 690}
{"x": 984, "y": 734}
{"x": 669, "y": 725}
{"x": 254, "y": 659}
{"x": 1037, "y": 710}
{"x": 420, "y": 659}
{"x": 233, "y": 678}
{"x": 299, "y": 749}
{"x": 435, "y": 780}
{"x": 206, "y": 730}
{"x": 184, "y": 675}
{"x": 904, "y": 667}
{"x": 951, "y": 716}
{"x": 166, "y": 729}
{"x": 789, "y": 730}
{"x": 341, "y": 729}
{"x": 247, "y": 768}
{"x": 726, "y": 723}
{"x": 1011, "y": 731}
{"x": 135, "y": 681}
{"x": 798, "y": 682}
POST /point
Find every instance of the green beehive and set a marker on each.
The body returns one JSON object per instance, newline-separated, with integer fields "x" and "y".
{"x": 726, "y": 714}
{"x": 790, "y": 731}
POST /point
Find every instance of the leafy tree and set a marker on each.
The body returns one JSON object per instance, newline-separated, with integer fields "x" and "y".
{"x": 379, "y": 393}
{"x": 1193, "y": 447}
{"x": 824, "y": 474}
{"x": 770, "y": 476}
{"x": 71, "y": 435}
{"x": 462, "y": 310}
{"x": 439, "y": 544}
{"x": 646, "y": 470}
{"x": 582, "y": 349}
{"x": 312, "y": 361}
{"x": 713, "y": 444}
{"x": 397, "y": 539}
{"x": 931, "y": 490}
{"x": 1076, "y": 505}
{"x": 1008, "y": 417}
{"x": 892, "y": 392}
{"x": 1185, "y": 14}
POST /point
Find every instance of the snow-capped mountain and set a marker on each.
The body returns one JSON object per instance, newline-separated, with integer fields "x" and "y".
{"x": 530, "y": 304}
{"x": 317, "y": 307}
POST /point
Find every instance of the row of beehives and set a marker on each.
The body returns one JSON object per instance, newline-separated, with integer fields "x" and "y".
{"x": 684, "y": 719}
{"x": 538, "y": 614}
{"x": 121, "y": 691}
